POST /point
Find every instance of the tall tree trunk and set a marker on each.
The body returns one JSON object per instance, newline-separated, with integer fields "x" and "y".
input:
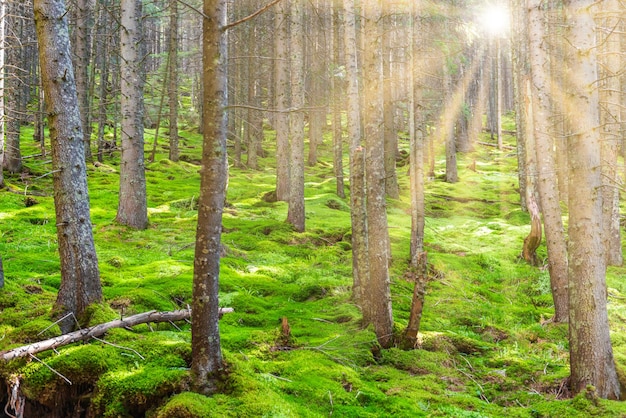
{"x": 133, "y": 206}
{"x": 207, "y": 363}
{"x": 390, "y": 135}
{"x": 547, "y": 182}
{"x": 295, "y": 213}
{"x": 80, "y": 277}
{"x": 377, "y": 290}
{"x": 3, "y": 20}
{"x": 591, "y": 354}
{"x": 447, "y": 129}
{"x": 611, "y": 135}
{"x": 281, "y": 81}
{"x": 337, "y": 101}
{"x": 13, "y": 87}
{"x": 418, "y": 265}
{"x": 172, "y": 90}
{"x": 360, "y": 266}
{"x": 84, "y": 23}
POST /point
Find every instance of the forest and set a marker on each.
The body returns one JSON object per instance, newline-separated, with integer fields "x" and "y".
{"x": 322, "y": 208}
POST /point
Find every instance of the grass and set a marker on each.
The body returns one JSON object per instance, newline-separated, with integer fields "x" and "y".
{"x": 485, "y": 350}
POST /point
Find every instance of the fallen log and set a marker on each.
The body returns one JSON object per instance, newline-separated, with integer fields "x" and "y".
{"x": 100, "y": 329}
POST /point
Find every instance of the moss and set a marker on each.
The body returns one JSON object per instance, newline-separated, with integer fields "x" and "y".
{"x": 190, "y": 405}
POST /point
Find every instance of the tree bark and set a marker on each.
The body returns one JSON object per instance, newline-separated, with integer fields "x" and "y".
{"x": 360, "y": 269}
{"x": 281, "y": 81}
{"x": 611, "y": 135}
{"x": 80, "y": 277}
{"x": 207, "y": 362}
{"x": 172, "y": 90}
{"x": 133, "y": 206}
{"x": 84, "y": 23}
{"x": 377, "y": 290}
{"x": 3, "y": 20}
{"x": 295, "y": 213}
{"x": 591, "y": 354}
{"x": 547, "y": 180}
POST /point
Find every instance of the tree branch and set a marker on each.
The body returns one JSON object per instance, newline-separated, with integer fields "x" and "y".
{"x": 100, "y": 329}
{"x": 252, "y": 16}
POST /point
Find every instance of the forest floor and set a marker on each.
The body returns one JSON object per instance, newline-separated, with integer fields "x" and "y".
{"x": 487, "y": 347}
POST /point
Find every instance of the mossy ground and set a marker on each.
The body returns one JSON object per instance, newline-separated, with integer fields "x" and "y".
{"x": 486, "y": 350}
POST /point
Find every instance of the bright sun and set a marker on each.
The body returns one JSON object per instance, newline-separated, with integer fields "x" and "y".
{"x": 495, "y": 20}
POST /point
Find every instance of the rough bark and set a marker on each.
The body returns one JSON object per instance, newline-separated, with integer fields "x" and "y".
{"x": 84, "y": 23}
{"x": 3, "y": 9}
{"x": 591, "y": 354}
{"x": 546, "y": 161}
{"x": 207, "y": 362}
{"x": 281, "y": 100}
{"x": 390, "y": 136}
{"x": 80, "y": 277}
{"x": 377, "y": 291}
{"x": 360, "y": 270}
{"x": 611, "y": 135}
{"x": 15, "y": 77}
{"x": 172, "y": 90}
{"x": 295, "y": 213}
{"x": 337, "y": 102}
{"x": 133, "y": 206}
{"x": 98, "y": 330}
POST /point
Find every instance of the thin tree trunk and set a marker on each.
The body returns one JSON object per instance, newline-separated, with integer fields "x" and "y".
{"x": 611, "y": 135}
{"x": 336, "y": 106}
{"x": 84, "y": 22}
{"x": 547, "y": 182}
{"x": 172, "y": 90}
{"x": 360, "y": 266}
{"x": 3, "y": 19}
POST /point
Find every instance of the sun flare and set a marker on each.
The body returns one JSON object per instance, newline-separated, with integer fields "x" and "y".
{"x": 494, "y": 20}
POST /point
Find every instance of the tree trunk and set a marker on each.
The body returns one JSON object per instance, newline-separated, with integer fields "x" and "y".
{"x": 591, "y": 354}
{"x": 172, "y": 90}
{"x": 207, "y": 363}
{"x": 295, "y": 214}
{"x": 447, "y": 129}
{"x": 133, "y": 206}
{"x": 80, "y": 277}
{"x": 611, "y": 135}
{"x": 13, "y": 87}
{"x": 281, "y": 81}
{"x": 377, "y": 290}
{"x": 390, "y": 136}
{"x": 547, "y": 182}
{"x": 337, "y": 102}
{"x": 84, "y": 22}
{"x": 418, "y": 267}
{"x": 360, "y": 268}
{"x": 3, "y": 21}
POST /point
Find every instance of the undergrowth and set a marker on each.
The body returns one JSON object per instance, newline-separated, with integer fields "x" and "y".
{"x": 486, "y": 347}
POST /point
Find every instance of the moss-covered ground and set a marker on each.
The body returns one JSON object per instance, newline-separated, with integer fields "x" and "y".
{"x": 487, "y": 346}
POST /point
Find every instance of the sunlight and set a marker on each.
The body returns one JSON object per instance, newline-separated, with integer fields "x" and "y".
{"x": 494, "y": 20}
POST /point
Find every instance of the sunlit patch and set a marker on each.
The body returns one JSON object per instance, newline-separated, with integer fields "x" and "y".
{"x": 494, "y": 20}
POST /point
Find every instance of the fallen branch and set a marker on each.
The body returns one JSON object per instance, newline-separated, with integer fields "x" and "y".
{"x": 98, "y": 330}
